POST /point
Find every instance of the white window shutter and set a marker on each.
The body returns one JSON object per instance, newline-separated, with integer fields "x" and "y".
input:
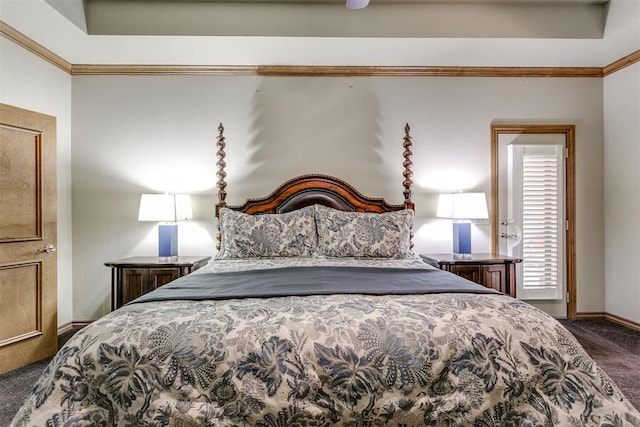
{"x": 538, "y": 206}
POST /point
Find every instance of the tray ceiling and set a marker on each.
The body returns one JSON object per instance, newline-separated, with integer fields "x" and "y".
{"x": 565, "y": 19}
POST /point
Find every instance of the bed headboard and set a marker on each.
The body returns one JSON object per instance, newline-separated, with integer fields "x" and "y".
{"x": 313, "y": 189}
{"x": 307, "y": 190}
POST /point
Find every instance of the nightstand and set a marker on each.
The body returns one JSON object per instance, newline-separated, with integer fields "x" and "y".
{"x": 133, "y": 277}
{"x": 493, "y": 271}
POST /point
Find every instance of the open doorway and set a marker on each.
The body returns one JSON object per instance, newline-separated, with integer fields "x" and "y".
{"x": 532, "y": 210}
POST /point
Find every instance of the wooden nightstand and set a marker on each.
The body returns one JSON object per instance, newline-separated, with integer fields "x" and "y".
{"x": 133, "y": 277}
{"x": 493, "y": 271}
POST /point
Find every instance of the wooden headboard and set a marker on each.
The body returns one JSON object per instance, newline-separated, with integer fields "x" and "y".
{"x": 307, "y": 190}
{"x": 313, "y": 189}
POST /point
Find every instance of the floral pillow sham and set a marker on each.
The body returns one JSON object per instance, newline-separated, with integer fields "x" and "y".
{"x": 289, "y": 234}
{"x": 358, "y": 234}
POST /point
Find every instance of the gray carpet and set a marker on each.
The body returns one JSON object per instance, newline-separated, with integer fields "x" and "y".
{"x": 15, "y": 386}
{"x": 615, "y": 348}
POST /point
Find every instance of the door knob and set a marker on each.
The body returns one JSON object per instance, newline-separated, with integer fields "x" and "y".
{"x": 508, "y": 236}
{"x": 48, "y": 249}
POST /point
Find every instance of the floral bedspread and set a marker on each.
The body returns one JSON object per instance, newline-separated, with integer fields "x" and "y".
{"x": 349, "y": 360}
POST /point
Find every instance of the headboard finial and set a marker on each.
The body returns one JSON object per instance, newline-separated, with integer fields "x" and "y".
{"x": 221, "y": 174}
{"x": 408, "y": 164}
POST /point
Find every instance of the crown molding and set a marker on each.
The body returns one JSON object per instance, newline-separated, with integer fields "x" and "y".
{"x": 286, "y": 70}
{"x": 93, "y": 70}
{"x": 34, "y": 47}
{"x": 312, "y": 71}
{"x": 621, "y": 63}
{"x": 338, "y": 71}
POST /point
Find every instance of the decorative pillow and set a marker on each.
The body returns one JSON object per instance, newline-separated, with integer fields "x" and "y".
{"x": 356, "y": 234}
{"x": 269, "y": 235}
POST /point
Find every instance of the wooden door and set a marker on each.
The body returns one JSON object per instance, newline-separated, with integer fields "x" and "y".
{"x": 162, "y": 276}
{"x": 469, "y": 272}
{"x": 139, "y": 281}
{"x": 135, "y": 282}
{"x": 494, "y": 277}
{"x": 28, "y": 292}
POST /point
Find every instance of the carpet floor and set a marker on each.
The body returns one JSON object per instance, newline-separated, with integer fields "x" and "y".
{"x": 615, "y": 348}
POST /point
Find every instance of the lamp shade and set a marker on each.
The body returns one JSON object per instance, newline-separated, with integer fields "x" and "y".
{"x": 462, "y": 206}
{"x": 183, "y": 207}
{"x": 157, "y": 207}
{"x": 165, "y": 207}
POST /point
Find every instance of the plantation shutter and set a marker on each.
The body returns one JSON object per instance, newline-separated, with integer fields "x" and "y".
{"x": 538, "y": 206}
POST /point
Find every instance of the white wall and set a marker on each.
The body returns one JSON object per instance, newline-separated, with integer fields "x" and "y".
{"x": 27, "y": 81}
{"x": 134, "y": 134}
{"x": 622, "y": 192}
{"x": 146, "y": 120}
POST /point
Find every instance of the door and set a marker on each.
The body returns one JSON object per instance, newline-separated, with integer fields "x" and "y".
{"x": 28, "y": 289}
{"x": 533, "y": 211}
{"x": 532, "y": 214}
{"x": 139, "y": 281}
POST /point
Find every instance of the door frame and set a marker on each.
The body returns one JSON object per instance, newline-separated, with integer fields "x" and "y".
{"x": 570, "y": 190}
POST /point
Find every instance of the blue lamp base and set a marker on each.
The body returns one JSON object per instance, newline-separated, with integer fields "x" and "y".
{"x": 167, "y": 240}
{"x": 462, "y": 239}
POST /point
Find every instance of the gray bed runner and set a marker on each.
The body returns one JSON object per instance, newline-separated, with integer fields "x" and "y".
{"x": 300, "y": 281}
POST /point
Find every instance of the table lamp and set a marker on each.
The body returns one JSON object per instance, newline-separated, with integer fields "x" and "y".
{"x": 166, "y": 209}
{"x": 461, "y": 208}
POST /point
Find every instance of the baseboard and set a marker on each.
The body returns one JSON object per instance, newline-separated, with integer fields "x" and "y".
{"x": 611, "y": 318}
{"x": 72, "y": 326}
{"x": 591, "y": 315}
{"x": 622, "y": 321}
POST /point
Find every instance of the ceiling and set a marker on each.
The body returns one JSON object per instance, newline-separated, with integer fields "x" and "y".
{"x": 323, "y": 33}
{"x": 561, "y": 19}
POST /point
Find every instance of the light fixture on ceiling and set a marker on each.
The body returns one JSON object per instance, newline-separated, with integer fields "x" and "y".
{"x": 357, "y": 4}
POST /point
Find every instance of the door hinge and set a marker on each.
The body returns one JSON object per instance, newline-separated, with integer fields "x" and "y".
{"x": 566, "y": 225}
{"x": 567, "y": 296}
{"x": 566, "y": 153}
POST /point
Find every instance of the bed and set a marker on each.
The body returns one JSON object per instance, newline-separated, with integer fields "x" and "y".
{"x": 316, "y": 312}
